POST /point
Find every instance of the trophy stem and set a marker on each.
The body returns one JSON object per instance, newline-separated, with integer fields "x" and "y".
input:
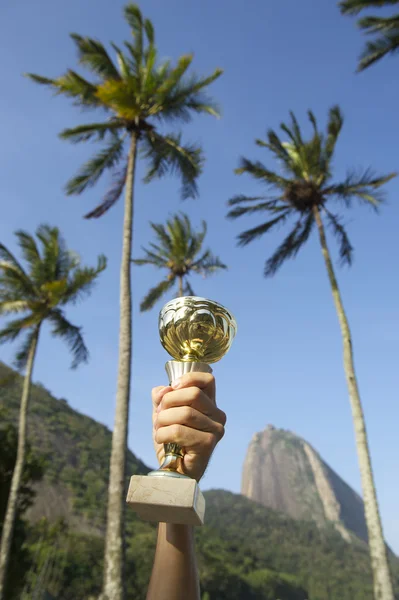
{"x": 172, "y": 465}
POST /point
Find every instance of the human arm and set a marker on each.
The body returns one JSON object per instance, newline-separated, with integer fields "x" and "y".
{"x": 184, "y": 413}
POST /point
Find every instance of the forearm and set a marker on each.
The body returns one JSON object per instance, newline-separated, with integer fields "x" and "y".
{"x": 174, "y": 575}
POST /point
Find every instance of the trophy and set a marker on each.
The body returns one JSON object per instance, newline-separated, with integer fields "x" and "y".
{"x": 195, "y": 332}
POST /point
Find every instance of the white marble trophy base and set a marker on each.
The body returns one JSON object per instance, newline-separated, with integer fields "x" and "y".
{"x": 167, "y": 499}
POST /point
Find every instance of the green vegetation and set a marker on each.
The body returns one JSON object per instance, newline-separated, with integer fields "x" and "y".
{"x": 385, "y": 30}
{"x": 179, "y": 252}
{"x": 52, "y": 278}
{"x": 245, "y": 551}
{"x": 32, "y": 472}
{"x": 303, "y": 190}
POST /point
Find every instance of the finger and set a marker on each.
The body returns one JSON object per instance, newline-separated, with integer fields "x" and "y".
{"x": 185, "y": 415}
{"x": 157, "y": 394}
{"x": 194, "y": 397}
{"x": 186, "y": 437}
{"x": 204, "y": 381}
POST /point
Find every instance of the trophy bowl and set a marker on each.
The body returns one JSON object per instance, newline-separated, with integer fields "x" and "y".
{"x": 194, "y": 329}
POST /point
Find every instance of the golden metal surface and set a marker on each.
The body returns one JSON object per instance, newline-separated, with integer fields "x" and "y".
{"x": 196, "y": 329}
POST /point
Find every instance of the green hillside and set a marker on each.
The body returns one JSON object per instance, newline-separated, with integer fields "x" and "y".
{"x": 245, "y": 551}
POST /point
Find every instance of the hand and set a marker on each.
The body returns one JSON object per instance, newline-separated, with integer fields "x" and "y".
{"x": 186, "y": 414}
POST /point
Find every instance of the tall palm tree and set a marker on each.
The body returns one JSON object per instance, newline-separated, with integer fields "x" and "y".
{"x": 386, "y": 30}
{"x": 179, "y": 252}
{"x": 303, "y": 190}
{"x": 140, "y": 95}
{"x": 53, "y": 278}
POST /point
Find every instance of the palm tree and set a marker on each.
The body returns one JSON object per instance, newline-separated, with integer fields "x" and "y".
{"x": 304, "y": 190}
{"x": 140, "y": 95}
{"x": 179, "y": 252}
{"x": 386, "y": 30}
{"x": 53, "y": 279}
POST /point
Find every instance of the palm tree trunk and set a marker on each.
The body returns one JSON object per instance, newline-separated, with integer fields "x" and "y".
{"x": 382, "y": 582}
{"x": 12, "y": 503}
{"x": 114, "y": 541}
{"x": 180, "y": 286}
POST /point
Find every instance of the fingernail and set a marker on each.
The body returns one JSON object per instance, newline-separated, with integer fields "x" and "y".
{"x": 159, "y": 407}
{"x": 176, "y": 383}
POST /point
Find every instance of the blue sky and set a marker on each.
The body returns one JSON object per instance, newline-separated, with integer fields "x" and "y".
{"x": 285, "y": 366}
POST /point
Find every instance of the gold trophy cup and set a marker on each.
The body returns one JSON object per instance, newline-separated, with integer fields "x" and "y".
{"x": 195, "y": 332}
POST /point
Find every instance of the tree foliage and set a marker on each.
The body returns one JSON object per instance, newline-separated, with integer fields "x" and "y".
{"x": 244, "y": 548}
{"x": 52, "y": 278}
{"x": 179, "y": 251}
{"x": 302, "y": 185}
{"x": 385, "y": 30}
{"x": 138, "y": 94}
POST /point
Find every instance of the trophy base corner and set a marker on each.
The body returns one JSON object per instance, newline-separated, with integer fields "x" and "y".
{"x": 175, "y": 500}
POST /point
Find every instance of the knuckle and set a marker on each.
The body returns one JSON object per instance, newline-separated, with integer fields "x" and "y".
{"x": 188, "y": 414}
{"x": 209, "y": 442}
{"x": 223, "y": 417}
{"x": 219, "y": 431}
{"x": 194, "y": 395}
{"x": 176, "y": 432}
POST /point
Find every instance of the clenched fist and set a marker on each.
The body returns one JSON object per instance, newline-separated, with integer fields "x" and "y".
{"x": 185, "y": 413}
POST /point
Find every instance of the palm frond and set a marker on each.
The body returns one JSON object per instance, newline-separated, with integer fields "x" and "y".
{"x": 345, "y": 247}
{"x": 113, "y": 194}
{"x": 72, "y": 85}
{"x": 149, "y": 29}
{"x": 379, "y": 24}
{"x": 275, "y": 145}
{"x": 10, "y": 265}
{"x": 8, "y": 306}
{"x": 187, "y": 97}
{"x": 248, "y": 236}
{"x": 30, "y": 251}
{"x": 290, "y": 246}
{"x": 156, "y": 262}
{"x": 123, "y": 62}
{"x": 377, "y": 49}
{"x": 57, "y": 260}
{"x": 174, "y": 75}
{"x": 134, "y": 19}
{"x": 13, "y": 277}
{"x": 208, "y": 264}
{"x": 98, "y": 131}
{"x": 259, "y": 171}
{"x": 156, "y": 293}
{"x": 353, "y": 7}
{"x": 14, "y": 328}
{"x": 269, "y": 206}
{"x": 242, "y": 198}
{"x": 166, "y": 154}
{"x": 92, "y": 170}
{"x": 335, "y": 123}
{"x": 94, "y": 56}
{"x": 71, "y": 334}
{"x": 294, "y": 132}
{"x": 21, "y": 357}
{"x": 195, "y": 241}
{"x": 157, "y": 258}
{"x": 81, "y": 283}
{"x": 364, "y": 186}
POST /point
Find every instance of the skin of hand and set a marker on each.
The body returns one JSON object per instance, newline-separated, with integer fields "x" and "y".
{"x": 185, "y": 413}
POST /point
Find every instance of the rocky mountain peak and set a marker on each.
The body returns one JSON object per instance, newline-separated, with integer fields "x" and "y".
{"x": 284, "y": 472}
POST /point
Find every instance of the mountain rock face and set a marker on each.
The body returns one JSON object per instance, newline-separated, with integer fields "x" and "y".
{"x": 283, "y": 472}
